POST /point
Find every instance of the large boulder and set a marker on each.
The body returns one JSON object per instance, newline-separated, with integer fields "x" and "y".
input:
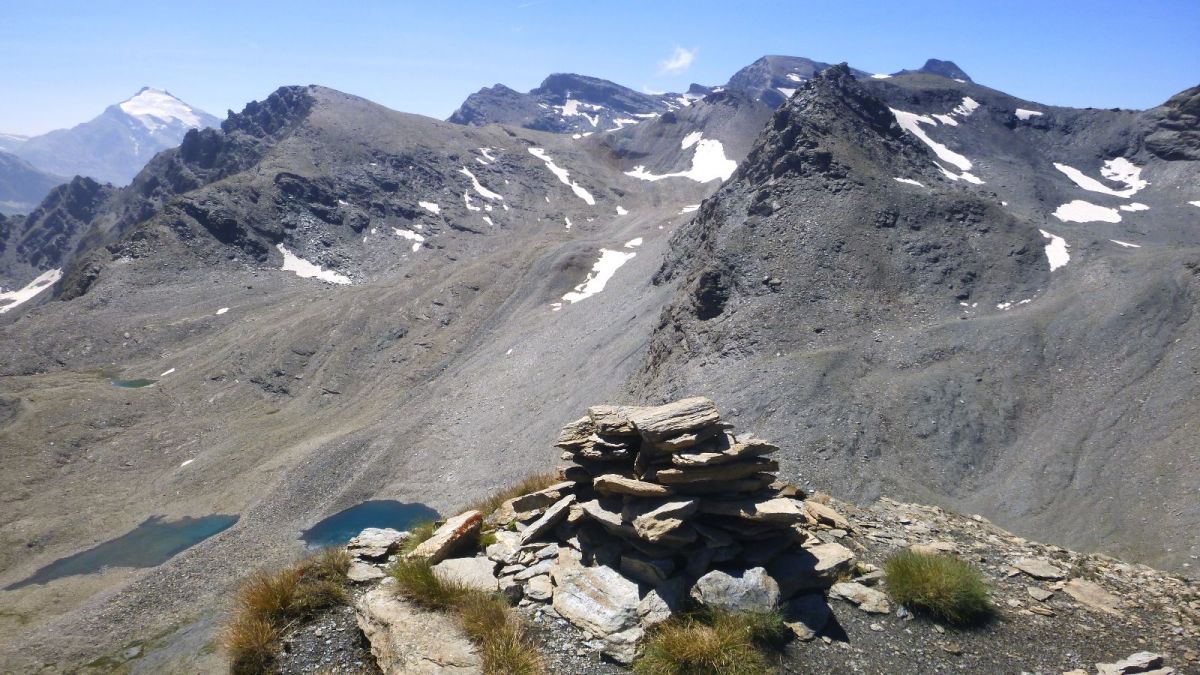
{"x": 747, "y": 591}
{"x": 375, "y": 543}
{"x": 600, "y": 601}
{"x": 407, "y": 639}
{"x": 455, "y": 535}
{"x": 553, "y": 516}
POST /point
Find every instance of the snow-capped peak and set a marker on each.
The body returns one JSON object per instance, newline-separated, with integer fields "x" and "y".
{"x": 155, "y": 108}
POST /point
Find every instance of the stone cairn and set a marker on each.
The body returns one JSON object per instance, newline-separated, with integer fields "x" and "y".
{"x": 660, "y": 508}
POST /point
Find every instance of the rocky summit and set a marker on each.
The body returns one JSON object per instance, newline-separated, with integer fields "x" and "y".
{"x": 665, "y": 509}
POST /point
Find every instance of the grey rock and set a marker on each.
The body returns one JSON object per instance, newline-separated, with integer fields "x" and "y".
{"x": 376, "y": 543}
{"x": 456, "y": 534}
{"x": 864, "y": 597}
{"x": 360, "y": 572}
{"x": 477, "y": 572}
{"x": 750, "y": 590}
{"x": 672, "y": 419}
{"x": 806, "y": 615}
{"x": 539, "y": 588}
{"x": 613, "y": 484}
{"x": 661, "y": 602}
{"x": 407, "y": 639}
{"x": 1039, "y": 568}
{"x": 553, "y": 516}
{"x": 811, "y": 567}
{"x": 600, "y": 601}
{"x": 646, "y": 569}
{"x": 1141, "y": 662}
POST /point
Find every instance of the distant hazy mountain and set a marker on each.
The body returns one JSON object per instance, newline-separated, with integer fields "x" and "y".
{"x": 22, "y": 186}
{"x": 8, "y": 142}
{"x": 114, "y": 146}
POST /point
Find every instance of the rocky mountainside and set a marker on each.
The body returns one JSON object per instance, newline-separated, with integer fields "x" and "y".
{"x": 919, "y": 287}
{"x": 22, "y": 187}
{"x": 114, "y": 146}
{"x": 569, "y": 103}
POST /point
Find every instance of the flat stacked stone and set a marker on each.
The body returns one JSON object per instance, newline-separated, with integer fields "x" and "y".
{"x": 659, "y": 504}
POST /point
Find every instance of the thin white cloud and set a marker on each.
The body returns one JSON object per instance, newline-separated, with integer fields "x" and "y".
{"x": 679, "y": 61}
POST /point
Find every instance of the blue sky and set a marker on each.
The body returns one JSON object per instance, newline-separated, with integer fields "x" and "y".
{"x": 61, "y": 63}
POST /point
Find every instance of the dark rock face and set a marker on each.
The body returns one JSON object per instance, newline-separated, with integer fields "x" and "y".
{"x": 54, "y": 232}
{"x": 1173, "y": 129}
{"x": 945, "y": 69}
{"x": 764, "y": 79}
{"x": 569, "y": 103}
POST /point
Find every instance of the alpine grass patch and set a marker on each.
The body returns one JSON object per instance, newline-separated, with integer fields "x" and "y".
{"x": 712, "y": 642}
{"x": 943, "y": 585}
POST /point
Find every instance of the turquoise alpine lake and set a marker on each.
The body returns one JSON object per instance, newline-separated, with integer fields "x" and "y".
{"x": 342, "y": 526}
{"x": 152, "y": 543}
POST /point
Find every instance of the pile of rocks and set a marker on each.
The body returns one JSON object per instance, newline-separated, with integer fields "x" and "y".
{"x": 661, "y": 507}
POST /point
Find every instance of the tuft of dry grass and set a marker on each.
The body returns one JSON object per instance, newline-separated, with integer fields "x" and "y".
{"x": 267, "y": 600}
{"x": 942, "y": 585}
{"x": 711, "y": 642}
{"x": 531, "y": 483}
{"x": 250, "y": 642}
{"x": 504, "y": 644}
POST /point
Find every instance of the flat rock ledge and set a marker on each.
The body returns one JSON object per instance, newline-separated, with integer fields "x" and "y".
{"x": 408, "y": 640}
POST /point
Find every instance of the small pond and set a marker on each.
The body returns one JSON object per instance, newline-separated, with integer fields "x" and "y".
{"x": 133, "y": 384}
{"x": 152, "y": 543}
{"x": 339, "y": 528}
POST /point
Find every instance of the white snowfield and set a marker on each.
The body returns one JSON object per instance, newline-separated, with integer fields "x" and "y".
{"x": 431, "y": 207}
{"x": 483, "y": 192}
{"x": 909, "y": 181}
{"x": 1056, "y": 250}
{"x": 688, "y": 209}
{"x": 621, "y": 210}
{"x": 1079, "y": 211}
{"x": 155, "y": 108}
{"x": 1119, "y": 170}
{"x": 415, "y": 238}
{"x": 1136, "y": 206}
{"x": 1125, "y": 243}
{"x": 911, "y": 122}
{"x": 964, "y": 109}
{"x": 1195, "y": 203}
{"x": 222, "y": 311}
{"x": 307, "y": 270}
{"x": 880, "y": 76}
{"x": 563, "y": 176}
{"x": 708, "y": 162}
{"x": 1023, "y": 114}
{"x": 572, "y": 108}
{"x": 604, "y": 269}
{"x": 13, "y": 299}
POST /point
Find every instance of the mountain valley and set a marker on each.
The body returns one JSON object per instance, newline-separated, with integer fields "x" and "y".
{"x": 923, "y": 288}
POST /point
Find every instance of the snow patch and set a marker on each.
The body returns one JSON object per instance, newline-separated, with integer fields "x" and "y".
{"x": 486, "y": 152}
{"x": 1080, "y": 211}
{"x": 688, "y": 209}
{"x": 1023, "y": 114}
{"x": 602, "y": 272}
{"x": 708, "y": 163}
{"x": 968, "y": 106}
{"x": 691, "y": 139}
{"x": 1136, "y": 206}
{"x": 1125, "y": 244}
{"x": 1119, "y": 170}
{"x": 1056, "y": 250}
{"x": 483, "y": 192}
{"x": 431, "y": 207}
{"x": 409, "y": 235}
{"x": 880, "y": 76}
{"x": 222, "y": 311}
{"x": 155, "y": 108}
{"x": 1196, "y": 203}
{"x": 909, "y": 181}
{"x": 307, "y": 270}
{"x": 633, "y": 243}
{"x": 186, "y": 462}
{"x": 167, "y": 372}
{"x": 467, "y": 201}
{"x": 12, "y": 299}
{"x": 621, "y": 210}
{"x": 563, "y": 176}
{"x": 787, "y": 93}
{"x": 911, "y": 122}
{"x": 946, "y": 119}
{"x": 794, "y": 77}
{"x": 571, "y": 108}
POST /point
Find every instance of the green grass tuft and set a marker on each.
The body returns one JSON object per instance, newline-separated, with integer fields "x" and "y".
{"x": 712, "y": 642}
{"x": 943, "y": 585}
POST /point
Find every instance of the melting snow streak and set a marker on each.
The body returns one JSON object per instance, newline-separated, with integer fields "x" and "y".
{"x": 11, "y": 299}
{"x": 1056, "y": 250}
{"x": 602, "y": 271}
{"x": 305, "y": 269}
{"x": 563, "y": 175}
{"x": 708, "y": 163}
